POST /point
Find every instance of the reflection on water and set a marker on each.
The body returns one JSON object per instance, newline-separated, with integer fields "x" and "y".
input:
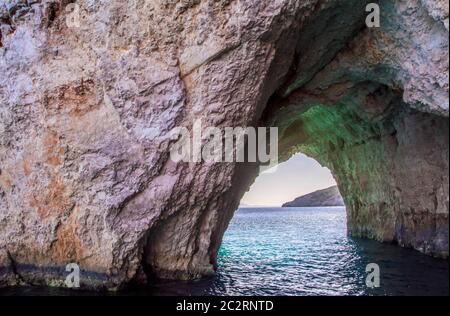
{"x": 300, "y": 251}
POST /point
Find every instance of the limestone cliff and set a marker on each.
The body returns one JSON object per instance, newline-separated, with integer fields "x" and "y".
{"x": 326, "y": 197}
{"x": 85, "y": 109}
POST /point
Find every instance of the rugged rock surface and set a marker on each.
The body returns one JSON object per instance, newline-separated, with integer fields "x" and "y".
{"x": 85, "y": 174}
{"x": 326, "y": 197}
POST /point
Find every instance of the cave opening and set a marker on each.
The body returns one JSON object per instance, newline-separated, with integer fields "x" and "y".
{"x": 271, "y": 246}
{"x": 295, "y": 177}
{"x": 275, "y": 242}
{"x": 366, "y": 140}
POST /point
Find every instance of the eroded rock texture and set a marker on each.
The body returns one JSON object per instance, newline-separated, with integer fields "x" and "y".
{"x": 85, "y": 174}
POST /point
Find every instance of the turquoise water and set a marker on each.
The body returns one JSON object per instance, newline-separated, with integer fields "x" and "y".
{"x": 306, "y": 251}
{"x": 299, "y": 251}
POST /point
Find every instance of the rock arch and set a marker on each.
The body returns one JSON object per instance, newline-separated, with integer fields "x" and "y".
{"x": 85, "y": 174}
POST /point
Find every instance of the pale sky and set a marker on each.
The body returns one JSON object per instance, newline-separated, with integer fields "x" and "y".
{"x": 297, "y": 176}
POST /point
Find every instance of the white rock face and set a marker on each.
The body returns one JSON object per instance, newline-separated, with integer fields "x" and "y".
{"x": 85, "y": 111}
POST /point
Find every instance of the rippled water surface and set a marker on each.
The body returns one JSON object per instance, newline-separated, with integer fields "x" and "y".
{"x": 305, "y": 251}
{"x": 302, "y": 251}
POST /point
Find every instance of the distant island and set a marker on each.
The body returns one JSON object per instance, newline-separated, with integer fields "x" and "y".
{"x": 326, "y": 197}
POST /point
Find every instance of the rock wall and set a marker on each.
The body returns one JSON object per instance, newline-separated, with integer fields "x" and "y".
{"x": 392, "y": 175}
{"x": 378, "y": 121}
{"x": 85, "y": 111}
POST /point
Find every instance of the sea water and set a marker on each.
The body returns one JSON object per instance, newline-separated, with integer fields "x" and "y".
{"x": 306, "y": 251}
{"x": 298, "y": 251}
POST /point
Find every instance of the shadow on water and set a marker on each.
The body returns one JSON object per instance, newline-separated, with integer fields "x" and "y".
{"x": 403, "y": 271}
{"x": 297, "y": 252}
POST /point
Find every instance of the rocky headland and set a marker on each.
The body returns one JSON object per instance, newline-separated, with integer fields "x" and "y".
{"x": 325, "y": 197}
